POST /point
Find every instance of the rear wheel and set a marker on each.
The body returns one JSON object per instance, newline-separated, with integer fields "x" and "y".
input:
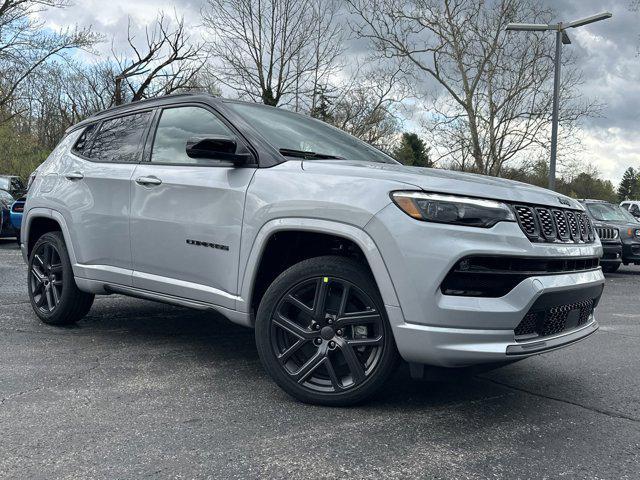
{"x": 322, "y": 332}
{"x": 54, "y": 295}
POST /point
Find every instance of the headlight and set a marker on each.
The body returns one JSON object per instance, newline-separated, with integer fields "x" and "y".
{"x": 633, "y": 232}
{"x": 435, "y": 207}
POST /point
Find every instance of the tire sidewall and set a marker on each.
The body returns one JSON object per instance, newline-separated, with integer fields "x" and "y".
{"x": 335, "y": 267}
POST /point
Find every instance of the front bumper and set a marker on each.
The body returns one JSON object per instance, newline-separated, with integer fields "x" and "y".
{"x": 631, "y": 252}
{"x": 611, "y": 253}
{"x": 457, "y": 331}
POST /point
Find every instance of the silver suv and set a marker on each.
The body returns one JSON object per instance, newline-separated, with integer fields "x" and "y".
{"x": 342, "y": 259}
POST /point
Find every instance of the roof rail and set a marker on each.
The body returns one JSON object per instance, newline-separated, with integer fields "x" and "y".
{"x": 142, "y": 102}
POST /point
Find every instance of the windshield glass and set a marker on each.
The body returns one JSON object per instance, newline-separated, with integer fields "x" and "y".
{"x": 294, "y": 132}
{"x": 609, "y": 213}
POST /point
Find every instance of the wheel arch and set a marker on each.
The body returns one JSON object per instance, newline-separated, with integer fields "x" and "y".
{"x": 351, "y": 235}
{"x": 40, "y": 221}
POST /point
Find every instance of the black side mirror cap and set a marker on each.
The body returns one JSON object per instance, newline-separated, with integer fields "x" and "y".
{"x": 218, "y": 147}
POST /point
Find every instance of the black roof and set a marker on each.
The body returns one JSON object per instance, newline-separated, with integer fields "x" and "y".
{"x": 147, "y": 103}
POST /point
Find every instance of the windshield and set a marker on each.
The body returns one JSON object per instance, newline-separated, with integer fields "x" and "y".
{"x": 297, "y": 135}
{"x": 606, "y": 212}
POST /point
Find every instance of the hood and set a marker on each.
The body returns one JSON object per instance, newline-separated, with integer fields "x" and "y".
{"x": 445, "y": 181}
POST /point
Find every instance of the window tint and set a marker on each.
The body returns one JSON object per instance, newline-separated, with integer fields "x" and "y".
{"x": 120, "y": 139}
{"x": 176, "y": 126}
{"x": 83, "y": 144}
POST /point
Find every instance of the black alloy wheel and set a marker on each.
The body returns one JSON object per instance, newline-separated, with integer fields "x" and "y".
{"x": 54, "y": 295}
{"x": 326, "y": 335}
{"x": 45, "y": 278}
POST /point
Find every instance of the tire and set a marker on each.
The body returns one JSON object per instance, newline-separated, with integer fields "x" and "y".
{"x": 312, "y": 348}
{"x": 610, "y": 268}
{"x": 54, "y": 295}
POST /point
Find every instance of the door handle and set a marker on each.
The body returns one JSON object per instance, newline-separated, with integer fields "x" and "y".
{"x": 74, "y": 176}
{"x": 150, "y": 180}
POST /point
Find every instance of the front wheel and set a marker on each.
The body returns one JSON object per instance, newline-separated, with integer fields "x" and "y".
{"x": 322, "y": 332}
{"x": 54, "y": 295}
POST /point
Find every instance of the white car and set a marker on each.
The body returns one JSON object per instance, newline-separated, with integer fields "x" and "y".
{"x": 339, "y": 256}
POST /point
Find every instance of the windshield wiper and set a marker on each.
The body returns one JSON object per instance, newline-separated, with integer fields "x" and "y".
{"x": 287, "y": 152}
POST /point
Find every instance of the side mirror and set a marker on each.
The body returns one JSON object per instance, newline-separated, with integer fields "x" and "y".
{"x": 217, "y": 148}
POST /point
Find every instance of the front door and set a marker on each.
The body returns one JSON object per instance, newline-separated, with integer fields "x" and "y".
{"x": 186, "y": 214}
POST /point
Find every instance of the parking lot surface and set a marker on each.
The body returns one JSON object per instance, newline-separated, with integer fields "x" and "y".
{"x": 139, "y": 389}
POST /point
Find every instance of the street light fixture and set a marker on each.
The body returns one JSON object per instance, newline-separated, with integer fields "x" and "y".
{"x": 561, "y": 38}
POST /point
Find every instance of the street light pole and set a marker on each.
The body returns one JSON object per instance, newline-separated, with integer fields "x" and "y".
{"x": 554, "y": 114}
{"x": 561, "y": 38}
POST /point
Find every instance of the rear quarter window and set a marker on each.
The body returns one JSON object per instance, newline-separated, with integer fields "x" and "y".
{"x": 83, "y": 144}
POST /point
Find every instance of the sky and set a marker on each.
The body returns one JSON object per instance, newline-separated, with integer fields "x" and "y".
{"x": 608, "y": 53}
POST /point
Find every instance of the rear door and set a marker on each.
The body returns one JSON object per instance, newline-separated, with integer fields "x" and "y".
{"x": 97, "y": 179}
{"x": 186, "y": 214}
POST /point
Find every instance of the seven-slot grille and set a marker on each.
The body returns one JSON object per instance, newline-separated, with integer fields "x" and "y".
{"x": 542, "y": 224}
{"x": 607, "y": 233}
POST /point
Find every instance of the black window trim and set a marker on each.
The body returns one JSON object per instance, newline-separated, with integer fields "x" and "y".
{"x": 148, "y": 146}
{"x": 99, "y": 123}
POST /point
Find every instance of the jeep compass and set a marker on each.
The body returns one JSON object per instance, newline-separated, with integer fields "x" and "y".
{"x": 340, "y": 258}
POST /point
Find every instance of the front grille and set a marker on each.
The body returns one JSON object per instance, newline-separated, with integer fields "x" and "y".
{"x": 554, "y": 320}
{"x": 542, "y": 224}
{"x": 484, "y": 276}
{"x": 607, "y": 233}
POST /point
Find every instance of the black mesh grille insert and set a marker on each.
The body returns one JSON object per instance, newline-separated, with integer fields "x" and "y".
{"x": 546, "y": 222}
{"x": 554, "y": 320}
{"x": 541, "y": 224}
{"x": 527, "y": 221}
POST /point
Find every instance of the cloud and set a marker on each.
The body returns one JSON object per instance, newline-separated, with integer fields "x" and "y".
{"x": 607, "y": 53}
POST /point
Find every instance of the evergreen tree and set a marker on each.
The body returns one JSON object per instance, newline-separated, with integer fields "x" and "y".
{"x": 322, "y": 108}
{"x": 629, "y": 188}
{"x": 412, "y": 151}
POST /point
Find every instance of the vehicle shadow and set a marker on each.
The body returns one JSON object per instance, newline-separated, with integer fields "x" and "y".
{"x": 208, "y": 341}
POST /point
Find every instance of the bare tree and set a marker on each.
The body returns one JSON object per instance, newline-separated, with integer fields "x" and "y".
{"x": 25, "y": 46}
{"x": 165, "y": 63}
{"x": 273, "y": 51}
{"x": 494, "y": 89}
{"x": 366, "y": 107}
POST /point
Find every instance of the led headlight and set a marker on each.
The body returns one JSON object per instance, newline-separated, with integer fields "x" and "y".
{"x": 436, "y": 207}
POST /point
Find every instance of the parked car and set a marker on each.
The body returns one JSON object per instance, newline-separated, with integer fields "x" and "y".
{"x": 339, "y": 256}
{"x": 15, "y": 215}
{"x": 609, "y": 235}
{"x": 6, "y": 228}
{"x": 12, "y": 184}
{"x": 611, "y": 216}
{"x": 632, "y": 206}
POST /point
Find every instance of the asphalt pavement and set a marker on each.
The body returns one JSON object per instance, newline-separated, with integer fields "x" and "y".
{"x": 139, "y": 389}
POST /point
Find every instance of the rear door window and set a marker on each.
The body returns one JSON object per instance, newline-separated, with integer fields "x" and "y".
{"x": 120, "y": 139}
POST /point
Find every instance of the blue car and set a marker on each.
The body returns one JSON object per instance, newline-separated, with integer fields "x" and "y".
{"x": 6, "y": 227}
{"x": 15, "y": 215}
